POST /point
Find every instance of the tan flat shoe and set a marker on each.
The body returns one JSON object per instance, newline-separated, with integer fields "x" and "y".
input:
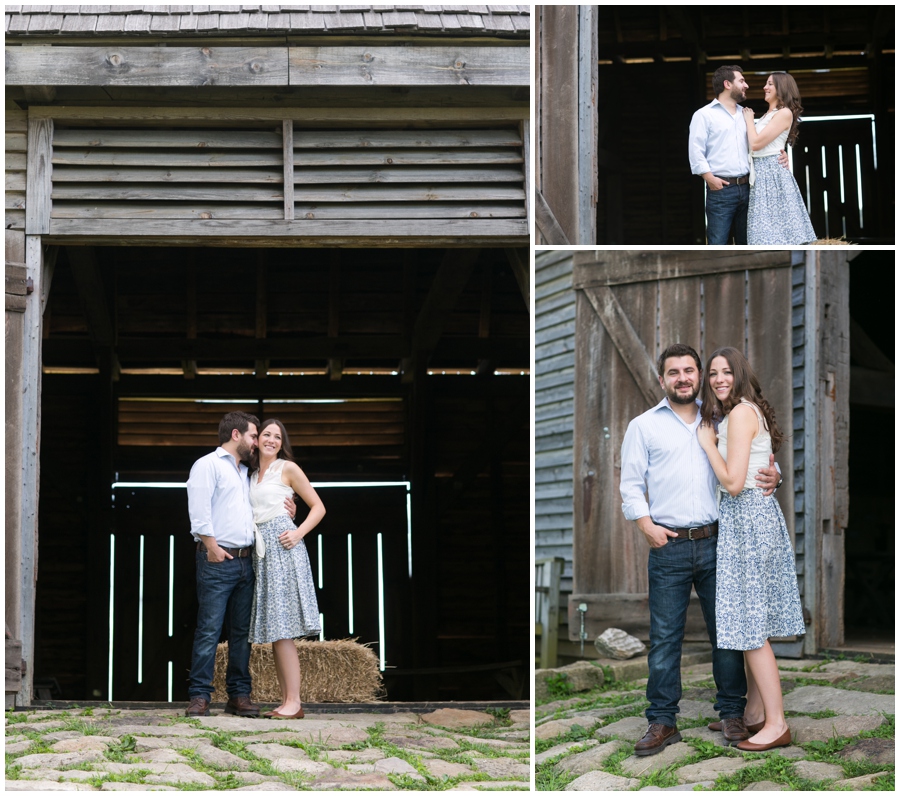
{"x": 783, "y": 740}
{"x": 276, "y": 715}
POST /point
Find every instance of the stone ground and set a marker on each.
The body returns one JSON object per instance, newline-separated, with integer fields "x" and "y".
{"x": 109, "y": 749}
{"x": 841, "y": 715}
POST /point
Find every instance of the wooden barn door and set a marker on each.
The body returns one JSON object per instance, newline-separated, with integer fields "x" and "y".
{"x": 629, "y": 307}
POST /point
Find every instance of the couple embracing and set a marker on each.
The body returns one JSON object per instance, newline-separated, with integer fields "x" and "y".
{"x": 743, "y": 163}
{"x": 713, "y": 523}
{"x": 253, "y": 572}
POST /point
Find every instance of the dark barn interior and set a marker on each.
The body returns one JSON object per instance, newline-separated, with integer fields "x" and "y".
{"x": 655, "y": 69}
{"x": 405, "y": 368}
{"x": 869, "y": 543}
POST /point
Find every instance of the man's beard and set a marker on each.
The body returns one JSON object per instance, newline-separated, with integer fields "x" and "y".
{"x": 737, "y": 95}
{"x": 675, "y": 398}
{"x": 244, "y": 452}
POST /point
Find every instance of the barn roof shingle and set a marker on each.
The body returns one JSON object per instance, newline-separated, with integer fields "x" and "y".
{"x": 185, "y": 20}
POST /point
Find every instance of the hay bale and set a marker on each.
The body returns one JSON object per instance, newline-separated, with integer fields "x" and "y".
{"x": 833, "y": 242}
{"x": 330, "y": 671}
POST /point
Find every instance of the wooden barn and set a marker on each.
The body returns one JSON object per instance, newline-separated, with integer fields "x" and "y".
{"x": 317, "y": 213}
{"x": 617, "y": 86}
{"x": 817, "y": 326}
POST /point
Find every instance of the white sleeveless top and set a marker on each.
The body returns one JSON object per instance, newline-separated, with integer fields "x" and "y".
{"x": 760, "y": 446}
{"x": 772, "y": 148}
{"x": 267, "y": 498}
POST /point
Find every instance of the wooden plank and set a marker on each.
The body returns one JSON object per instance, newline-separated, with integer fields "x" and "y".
{"x": 407, "y": 139}
{"x": 319, "y": 440}
{"x": 546, "y": 223}
{"x": 146, "y": 66}
{"x": 409, "y": 66}
{"x": 15, "y": 181}
{"x": 16, "y": 275}
{"x": 203, "y": 158}
{"x": 15, "y": 219}
{"x": 308, "y": 115}
{"x": 15, "y": 200}
{"x": 15, "y": 121}
{"x": 13, "y": 666}
{"x": 287, "y": 175}
{"x": 168, "y": 139}
{"x": 629, "y": 344}
{"x": 438, "y": 174}
{"x": 15, "y": 161}
{"x": 602, "y": 267}
{"x": 445, "y": 290}
{"x": 16, "y": 142}
{"x": 37, "y": 211}
{"x": 132, "y": 210}
{"x": 333, "y": 193}
{"x": 87, "y": 174}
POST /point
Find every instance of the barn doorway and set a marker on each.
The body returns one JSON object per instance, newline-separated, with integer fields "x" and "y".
{"x": 869, "y": 542}
{"x": 402, "y": 377}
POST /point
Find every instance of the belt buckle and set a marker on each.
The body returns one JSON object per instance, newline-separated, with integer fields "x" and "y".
{"x": 691, "y": 533}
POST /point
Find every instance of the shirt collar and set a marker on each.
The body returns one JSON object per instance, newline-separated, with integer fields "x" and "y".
{"x": 222, "y": 453}
{"x": 664, "y": 404}
{"x": 715, "y": 102}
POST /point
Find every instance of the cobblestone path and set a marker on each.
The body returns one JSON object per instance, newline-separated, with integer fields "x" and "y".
{"x": 841, "y": 715}
{"x": 109, "y": 749}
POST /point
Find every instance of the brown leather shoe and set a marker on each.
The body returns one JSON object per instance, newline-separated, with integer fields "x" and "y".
{"x": 298, "y": 715}
{"x": 716, "y": 726}
{"x": 657, "y": 738}
{"x": 783, "y": 740}
{"x": 199, "y": 707}
{"x": 242, "y": 706}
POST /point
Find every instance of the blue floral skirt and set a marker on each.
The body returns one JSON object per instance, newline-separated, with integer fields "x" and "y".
{"x": 284, "y": 603}
{"x": 756, "y": 579}
{"x": 776, "y": 215}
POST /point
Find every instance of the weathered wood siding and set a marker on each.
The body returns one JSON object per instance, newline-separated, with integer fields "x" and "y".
{"x": 629, "y": 307}
{"x": 554, "y": 378}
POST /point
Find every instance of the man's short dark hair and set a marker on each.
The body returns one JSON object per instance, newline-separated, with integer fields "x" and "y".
{"x": 677, "y": 350}
{"x": 722, "y": 74}
{"x": 235, "y": 420}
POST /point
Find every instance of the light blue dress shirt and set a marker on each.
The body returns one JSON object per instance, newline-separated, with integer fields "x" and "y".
{"x": 718, "y": 141}
{"x": 219, "y": 500}
{"x": 661, "y": 455}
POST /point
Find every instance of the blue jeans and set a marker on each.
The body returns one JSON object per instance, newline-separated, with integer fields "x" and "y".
{"x": 672, "y": 570}
{"x": 724, "y": 208}
{"x": 225, "y": 594}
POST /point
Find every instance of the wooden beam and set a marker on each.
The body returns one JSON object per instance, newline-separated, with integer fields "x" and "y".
{"x": 335, "y": 364}
{"x": 409, "y": 66}
{"x": 520, "y": 262}
{"x": 609, "y": 268}
{"x": 262, "y": 365}
{"x": 324, "y": 115}
{"x": 287, "y": 127}
{"x": 38, "y": 176}
{"x": 546, "y": 223}
{"x": 92, "y": 293}
{"x": 146, "y": 66}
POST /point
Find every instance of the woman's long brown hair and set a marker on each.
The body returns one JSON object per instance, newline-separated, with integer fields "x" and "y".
{"x": 789, "y": 96}
{"x": 285, "y": 453}
{"x": 745, "y": 385}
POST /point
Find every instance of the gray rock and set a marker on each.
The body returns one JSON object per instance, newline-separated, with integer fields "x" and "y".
{"x": 394, "y": 765}
{"x": 457, "y": 719}
{"x": 443, "y": 768}
{"x": 705, "y": 734}
{"x": 149, "y": 744}
{"x": 178, "y": 731}
{"x": 133, "y": 786}
{"x": 74, "y": 774}
{"x": 288, "y": 758}
{"x": 561, "y": 749}
{"x": 630, "y": 729}
{"x": 41, "y": 785}
{"x": 601, "y": 781}
{"x": 673, "y": 754}
{"x": 61, "y": 735}
{"x": 765, "y": 785}
{"x": 687, "y": 786}
{"x": 361, "y": 756}
{"x": 619, "y": 645}
{"x": 504, "y": 767}
{"x": 520, "y": 716}
{"x": 805, "y": 729}
{"x": 340, "y": 780}
{"x": 878, "y": 751}
{"x": 860, "y": 783}
{"x": 561, "y": 726}
{"x": 494, "y": 785}
{"x": 51, "y": 760}
{"x": 267, "y": 786}
{"x": 817, "y": 771}
{"x": 590, "y": 760}
{"x": 859, "y": 669}
{"x": 694, "y": 709}
{"x": 881, "y": 682}
{"x": 18, "y": 747}
{"x": 84, "y": 743}
{"x": 158, "y": 756}
{"x": 710, "y": 769}
{"x": 811, "y": 698}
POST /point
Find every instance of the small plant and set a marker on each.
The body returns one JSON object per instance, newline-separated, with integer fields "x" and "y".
{"x": 559, "y": 686}
{"x": 500, "y": 714}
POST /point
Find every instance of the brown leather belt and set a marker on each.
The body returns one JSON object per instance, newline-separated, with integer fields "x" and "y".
{"x": 735, "y": 180}
{"x": 696, "y": 532}
{"x": 234, "y": 552}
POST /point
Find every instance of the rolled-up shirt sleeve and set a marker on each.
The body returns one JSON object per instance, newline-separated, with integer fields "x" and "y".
{"x": 633, "y": 482}
{"x": 200, "y": 487}
{"x": 697, "y": 140}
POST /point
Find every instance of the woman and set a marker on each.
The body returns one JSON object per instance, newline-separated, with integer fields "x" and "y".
{"x": 756, "y": 582}
{"x": 776, "y": 214}
{"x": 284, "y": 603}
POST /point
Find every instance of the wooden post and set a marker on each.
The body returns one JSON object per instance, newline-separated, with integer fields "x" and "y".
{"x": 548, "y": 574}
{"x": 39, "y": 176}
{"x": 288, "y": 128}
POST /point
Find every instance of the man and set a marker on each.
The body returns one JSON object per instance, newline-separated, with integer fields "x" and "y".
{"x": 222, "y": 525}
{"x": 719, "y": 153}
{"x": 662, "y": 456}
